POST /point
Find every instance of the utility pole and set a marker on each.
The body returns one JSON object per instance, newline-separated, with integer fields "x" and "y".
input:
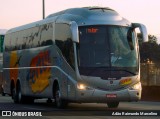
{"x": 43, "y": 10}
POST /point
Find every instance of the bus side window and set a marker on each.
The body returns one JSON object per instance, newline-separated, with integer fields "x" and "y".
{"x": 47, "y": 42}
{"x": 69, "y": 52}
{"x": 64, "y": 42}
{"x": 46, "y": 34}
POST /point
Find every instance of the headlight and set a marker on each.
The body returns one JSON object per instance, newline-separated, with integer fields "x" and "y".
{"x": 136, "y": 86}
{"x": 82, "y": 86}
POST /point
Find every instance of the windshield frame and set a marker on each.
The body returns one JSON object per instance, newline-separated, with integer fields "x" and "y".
{"x": 111, "y": 67}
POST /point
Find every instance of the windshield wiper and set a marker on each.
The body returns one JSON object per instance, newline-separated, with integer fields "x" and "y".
{"x": 120, "y": 69}
{"x": 129, "y": 72}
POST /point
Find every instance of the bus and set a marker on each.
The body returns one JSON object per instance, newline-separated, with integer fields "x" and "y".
{"x": 78, "y": 55}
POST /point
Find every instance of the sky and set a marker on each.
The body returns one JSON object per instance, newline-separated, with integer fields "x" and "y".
{"x": 15, "y": 13}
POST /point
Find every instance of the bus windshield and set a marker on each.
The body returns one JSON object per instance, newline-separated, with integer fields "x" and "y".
{"x": 112, "y": 48}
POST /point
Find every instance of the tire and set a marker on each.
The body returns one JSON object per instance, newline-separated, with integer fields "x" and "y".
{"x": 14, "y": 95}
{"x": 59, "y": 102}
{"x": 19, "y": 94}
{"x": 113, "y": 104}
{"x": 21, "y": 98}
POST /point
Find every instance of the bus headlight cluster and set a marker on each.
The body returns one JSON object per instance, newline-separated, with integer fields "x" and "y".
{"x": 137, "y": 86}
{"x": 82, "y": 86}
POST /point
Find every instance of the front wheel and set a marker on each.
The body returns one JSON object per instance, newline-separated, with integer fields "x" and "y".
{"x": 113, "y": 104}
{"x": 60, "y": 103}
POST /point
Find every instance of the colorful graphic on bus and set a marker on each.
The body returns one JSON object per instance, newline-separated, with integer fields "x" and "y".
{"x": 39, "y": 73}
{"x": 14, "y": 63}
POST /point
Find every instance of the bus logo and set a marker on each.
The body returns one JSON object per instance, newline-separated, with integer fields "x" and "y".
{"x": 125, "y": 81}
{"x": 39, "y": 75}
{"x": 111, "y": 82}
{"x": 112, "y": 78}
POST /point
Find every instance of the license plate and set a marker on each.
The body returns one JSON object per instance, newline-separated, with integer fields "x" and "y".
{"x": 111, "y": 95}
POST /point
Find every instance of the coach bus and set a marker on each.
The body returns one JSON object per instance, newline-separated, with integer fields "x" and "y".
{"x": 80, "y": 55}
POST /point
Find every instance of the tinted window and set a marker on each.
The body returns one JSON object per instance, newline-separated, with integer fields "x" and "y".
{"x": 30, "y": 38}
{"x": 64, "y": 42}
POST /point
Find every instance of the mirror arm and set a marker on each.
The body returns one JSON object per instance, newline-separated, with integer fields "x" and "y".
{"x": 143, "y": 30}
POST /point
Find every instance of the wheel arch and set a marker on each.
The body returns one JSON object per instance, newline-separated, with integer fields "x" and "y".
{"x": 55, "y": 84}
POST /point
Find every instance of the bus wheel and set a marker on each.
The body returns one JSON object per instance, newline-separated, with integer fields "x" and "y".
{"x": 113, "y": 104}
{"x": 19, "y": 94}
{"x": 14, "y": 95}
{"x": 60, "y": 103}
{"x": 20, "y": 98}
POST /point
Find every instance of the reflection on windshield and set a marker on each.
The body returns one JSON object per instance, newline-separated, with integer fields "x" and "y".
{"x": 122, "y": 49}
{"x": 107, "y": 46}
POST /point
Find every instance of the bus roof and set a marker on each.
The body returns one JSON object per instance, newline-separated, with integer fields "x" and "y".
{"x": 82, "y": 16}
{"x": 90, "y": 16}
{"x": 83, "y": 12}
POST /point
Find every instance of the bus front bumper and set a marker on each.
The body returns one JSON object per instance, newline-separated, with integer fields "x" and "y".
{"x": 101, "y": 96}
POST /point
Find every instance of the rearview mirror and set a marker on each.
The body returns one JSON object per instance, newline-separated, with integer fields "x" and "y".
{"x": 142, "y": 29}
{"x": 74, "y": 30}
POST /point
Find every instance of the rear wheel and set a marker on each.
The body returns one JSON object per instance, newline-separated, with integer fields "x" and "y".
{"x": 60, "y": 103}
{"x": 14, "y": 95}
{"x": 18, "y": 97}
{"x": 113, "y": 104}
{"x": 19, "y": 94}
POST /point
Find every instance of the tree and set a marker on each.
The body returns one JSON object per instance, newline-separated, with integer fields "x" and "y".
{"x": 149, "y": 50}
{"x": 151, "y": 38}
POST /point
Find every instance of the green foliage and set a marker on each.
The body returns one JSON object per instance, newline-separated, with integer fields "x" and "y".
{"x": 149, "y": 50}
{"x": 1, "y": 43}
